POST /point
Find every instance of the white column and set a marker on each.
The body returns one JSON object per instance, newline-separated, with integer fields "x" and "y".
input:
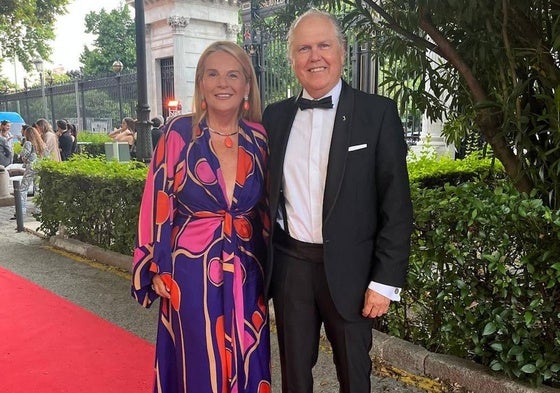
{"x": 431, "y": 137}
{"x": 183, "y": 89}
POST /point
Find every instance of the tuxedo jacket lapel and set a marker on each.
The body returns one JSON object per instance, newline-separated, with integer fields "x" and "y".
{"x": 282, "y": 123}
{"x": 339, "y": 148}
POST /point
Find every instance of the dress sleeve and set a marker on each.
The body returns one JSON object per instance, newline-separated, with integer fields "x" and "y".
{"x": 261, "y": 141}
{"x": 26, "y": 151}
{"x": 153, "y": 253}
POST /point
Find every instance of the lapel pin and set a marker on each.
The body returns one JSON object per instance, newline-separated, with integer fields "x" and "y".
{"x": 343, "y": 118}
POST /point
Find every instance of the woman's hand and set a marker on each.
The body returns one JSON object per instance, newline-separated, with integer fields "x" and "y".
{"x": 159, "y": 287}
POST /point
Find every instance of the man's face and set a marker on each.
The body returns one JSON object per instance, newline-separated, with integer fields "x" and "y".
{"x": 316, "y": 55}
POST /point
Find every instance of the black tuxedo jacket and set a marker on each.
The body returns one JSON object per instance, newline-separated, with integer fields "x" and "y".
{"x": 367, "y": 211}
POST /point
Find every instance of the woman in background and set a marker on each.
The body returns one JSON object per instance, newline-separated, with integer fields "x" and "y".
{"x": 50, "y": 139}
{"x": 126, "y": 133}
{"x": 32, "y": 150}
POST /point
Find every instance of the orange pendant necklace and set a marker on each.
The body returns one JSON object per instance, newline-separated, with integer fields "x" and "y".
{"x": 228, "y": 142}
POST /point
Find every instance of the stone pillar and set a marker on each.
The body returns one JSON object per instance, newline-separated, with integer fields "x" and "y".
{"x": 183, "y": 71}
{"x": 182, "y": 29}
{"x": 430, "y": 136}
{"x": 431, "y": 139}
{"x": 5, "y": 198}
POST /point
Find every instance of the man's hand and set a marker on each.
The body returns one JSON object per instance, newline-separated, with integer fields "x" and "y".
{"x": 375, "y": 304}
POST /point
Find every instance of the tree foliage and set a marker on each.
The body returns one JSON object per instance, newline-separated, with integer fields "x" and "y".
{"x": 115, "y": 32}
{"x": 494, "y": 64}
{"x": 26, "y": 27}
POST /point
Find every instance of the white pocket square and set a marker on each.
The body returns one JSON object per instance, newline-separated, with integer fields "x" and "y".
{"x": 357, "y": 147}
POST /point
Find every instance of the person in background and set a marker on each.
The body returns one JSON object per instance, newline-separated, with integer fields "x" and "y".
{"x": 126, "y": 133}
{"x": 23, "y": 127}
{"x": 65, "y": 142}
{"x": 340, "y": 203}
{"x": 50, "y": 139}
{"x": 157, "y": 124}
{"x": 74, "y": 134}
{"x": 201, "y": 235}
{"x": 33, "y": 149}
{"x": 6, "y": 144}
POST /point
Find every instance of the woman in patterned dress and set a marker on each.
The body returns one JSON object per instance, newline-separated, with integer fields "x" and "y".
{"x": 33, "y": 150}
{"x": 202, "y": 236}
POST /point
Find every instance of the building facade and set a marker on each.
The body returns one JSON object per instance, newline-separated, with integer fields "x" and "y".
{"x": 177, "y": 32}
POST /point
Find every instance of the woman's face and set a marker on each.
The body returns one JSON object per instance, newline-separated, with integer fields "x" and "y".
{"x": 124, "y": 126}
{"x": 223, "y": 83}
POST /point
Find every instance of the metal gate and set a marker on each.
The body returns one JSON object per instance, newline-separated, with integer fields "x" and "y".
{"x": 167, "y": 84}
{"x": 275, "y": 76}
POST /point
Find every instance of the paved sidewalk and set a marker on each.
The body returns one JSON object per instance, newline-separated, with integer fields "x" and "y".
{"x": 412, "y": 368}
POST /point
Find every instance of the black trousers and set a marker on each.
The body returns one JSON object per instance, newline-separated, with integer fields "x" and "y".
{"x": 302, "y": 303}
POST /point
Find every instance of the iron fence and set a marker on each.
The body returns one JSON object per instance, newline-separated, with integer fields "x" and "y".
{"x": 93, "y": 104}
{"x": 277, "y": 80}
{"x": 99, "y": 104}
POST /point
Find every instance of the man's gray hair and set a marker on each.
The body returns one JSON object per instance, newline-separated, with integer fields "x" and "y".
{"x": 315, "y": 12}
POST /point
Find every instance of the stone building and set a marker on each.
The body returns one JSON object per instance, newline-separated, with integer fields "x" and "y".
{"x": 177, "y": 32}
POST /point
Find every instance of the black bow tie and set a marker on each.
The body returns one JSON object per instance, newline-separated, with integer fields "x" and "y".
{"x": 304, "y": 103}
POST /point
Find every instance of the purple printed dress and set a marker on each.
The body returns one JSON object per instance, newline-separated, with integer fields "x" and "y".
{"x": 213, "y": 334}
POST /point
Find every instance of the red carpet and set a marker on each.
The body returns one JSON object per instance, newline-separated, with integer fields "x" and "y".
{"x": 50, "y": 345}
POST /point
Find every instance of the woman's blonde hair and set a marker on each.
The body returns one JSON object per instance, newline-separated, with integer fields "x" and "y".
{"x": 254, "y": 113}
{"x": 32, "y": 135}
{"x": 43, "y": 126}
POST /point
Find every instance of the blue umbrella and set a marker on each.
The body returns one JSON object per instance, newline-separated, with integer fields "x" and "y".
{"x": 12, "y": 117}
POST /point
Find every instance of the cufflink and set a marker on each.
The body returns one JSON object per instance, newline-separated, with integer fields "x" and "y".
{"x": 397, "y": 290}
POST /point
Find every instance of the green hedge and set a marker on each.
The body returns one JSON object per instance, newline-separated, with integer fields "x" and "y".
{"x": 93, "y": 144}
{"x": 429, "y": 171}
{"x": 484, "y": 271}
{"x": 485, "y": 262}
{"x": 483, "y": 279}
{"x": 96, "y": 201}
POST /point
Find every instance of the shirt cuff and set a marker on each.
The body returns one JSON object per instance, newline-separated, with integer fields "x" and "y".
{"x": 388, "y": 291}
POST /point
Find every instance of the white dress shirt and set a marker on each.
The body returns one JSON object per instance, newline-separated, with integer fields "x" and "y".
{"x": 305, "y": 173}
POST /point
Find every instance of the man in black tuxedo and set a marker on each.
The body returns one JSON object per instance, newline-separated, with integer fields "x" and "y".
{"x": 340, "y": 208}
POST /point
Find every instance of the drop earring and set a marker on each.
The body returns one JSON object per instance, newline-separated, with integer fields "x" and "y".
{"x": 203, "y": 105}
{"x": 246, "y": 104}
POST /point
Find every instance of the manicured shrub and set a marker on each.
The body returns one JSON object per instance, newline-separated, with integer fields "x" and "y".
{"x": 96, "y": 201}
{"x": 92, "y": 144}
{"x": 484, "y": 274}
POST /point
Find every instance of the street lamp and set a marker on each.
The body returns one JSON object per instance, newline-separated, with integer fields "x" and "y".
{"x": 39, "y": 67}
{"x": 50, "y": 80}
{"x": 117, "y": 67}
{"x": 26, "y": 88}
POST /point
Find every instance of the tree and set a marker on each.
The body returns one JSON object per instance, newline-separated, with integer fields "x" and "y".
{"x": 115, "y": 31}
{"x": 26, "y": 27}
{"x": 493, "y": 63}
